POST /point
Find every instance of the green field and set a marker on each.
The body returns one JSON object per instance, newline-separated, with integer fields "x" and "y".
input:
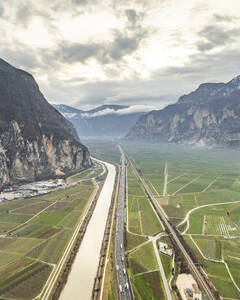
{"x": 32, "y": 245}
{"x": 148, "y": 286}
{"x": 143, "y": 259}
{"x": 195, "y": 177}
{"x": 134, "y": 240}
{"x": 141, "y": 216}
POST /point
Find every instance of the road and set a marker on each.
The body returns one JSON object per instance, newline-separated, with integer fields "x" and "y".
{"x": 164, "y": 279}
{"x": 123, "y": 282}
{"x": 196, "y": 273}
{"x": 186, "y": 219}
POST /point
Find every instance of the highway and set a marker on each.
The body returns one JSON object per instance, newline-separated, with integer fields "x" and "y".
{"x": 196, "y": 273}
{"x": 123, "y": 282}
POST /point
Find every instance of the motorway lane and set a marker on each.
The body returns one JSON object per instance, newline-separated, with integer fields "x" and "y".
{"x": 123, "y": 282}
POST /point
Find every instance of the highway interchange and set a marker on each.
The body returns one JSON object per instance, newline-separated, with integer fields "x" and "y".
{"x": 123, "y": 282}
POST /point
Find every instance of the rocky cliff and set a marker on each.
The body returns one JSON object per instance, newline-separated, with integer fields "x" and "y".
{"x": 209, "y": 116}
{"x": 36, "y": 141}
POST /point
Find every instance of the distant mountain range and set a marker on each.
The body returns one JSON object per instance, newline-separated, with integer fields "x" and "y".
{"x": 103, "y": 121}
{"x": 209, "y": 116}
{"x": 36, "y": 141}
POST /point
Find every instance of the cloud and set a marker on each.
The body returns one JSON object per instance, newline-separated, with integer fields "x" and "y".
{"x": 1, "y": 10}
{"x": 145, "y": 52}
{"x": 104, "y": 53}
{"x": 224, "y": 18}
{"x": 214, "y": 36}
{"x": 22, "y": 57}
{"x": 125, "y": 111}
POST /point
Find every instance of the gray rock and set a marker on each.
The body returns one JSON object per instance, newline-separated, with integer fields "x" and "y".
{"x": 36, "y": 141}
{"x": 209, "y": 116}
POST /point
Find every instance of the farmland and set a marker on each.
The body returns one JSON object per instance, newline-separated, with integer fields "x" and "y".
{"x": 142, "y": 224}
{"x": 199, "y": 190}
{"x": 35, "y": 232}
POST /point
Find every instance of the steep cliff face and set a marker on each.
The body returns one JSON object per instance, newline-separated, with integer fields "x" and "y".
{"x": 209, "y": 116}
{"x": 36, "y": 142}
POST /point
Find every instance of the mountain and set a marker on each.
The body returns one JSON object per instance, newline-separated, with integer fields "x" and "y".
{"x": 103, "y": 121}
{"x": 209, "y": 116}
{"x": 36, "y": 141}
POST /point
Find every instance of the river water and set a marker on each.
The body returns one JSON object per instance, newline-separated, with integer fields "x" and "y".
{"x": 81, "y": 278}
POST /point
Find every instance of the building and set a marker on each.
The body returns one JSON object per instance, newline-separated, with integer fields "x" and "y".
{"x": 188, "y": 287}
{"x": 163, "y": 248}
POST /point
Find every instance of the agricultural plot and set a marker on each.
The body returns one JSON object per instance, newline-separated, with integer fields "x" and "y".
{"x": 35, "y": 233}
{"x": 197, "y": 177}
{"x": 103, "y": 150}
{"x": 149, "y": 286}
{"x": 220, "y": 277}
{"x": 167, "y": 265}
{"x": 143, "y": 259}
{"x": 217, "y": 271}
{"x": 134, "y": 240}
{"x": 87, "y": 174}
{"x": 141, "y": 217}
{"x": 211, "y": 247}
{"x": 196, "y": 224}
{"x": 217, "y": 221}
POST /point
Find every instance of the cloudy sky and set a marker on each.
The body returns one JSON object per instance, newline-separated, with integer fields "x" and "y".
{"x": 90, "y": 52}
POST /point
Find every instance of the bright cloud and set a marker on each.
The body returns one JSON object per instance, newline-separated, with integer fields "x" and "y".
{"x": 90, "y": 52}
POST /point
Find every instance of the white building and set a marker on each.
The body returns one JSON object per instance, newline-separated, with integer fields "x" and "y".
{"x": 165, "y": 249}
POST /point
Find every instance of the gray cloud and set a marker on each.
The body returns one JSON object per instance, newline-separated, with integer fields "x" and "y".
{"x": 164, "y": 85}
{"x": 21, "y": 57}
{"x": 105, "y": 53}
{"x": 1, "y": 10}
{"x": 214, "y": 36}
{"x": 224, "y": 18}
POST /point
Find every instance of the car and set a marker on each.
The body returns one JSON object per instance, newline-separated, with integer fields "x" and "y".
{"x": 120, "y": 288}
{"x": 127, "y": 286}
{"x": 124, "y": 271}
{"x": 122, "y": 258}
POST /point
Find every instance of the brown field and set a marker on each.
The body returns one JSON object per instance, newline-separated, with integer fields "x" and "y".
{"x": 32, "y": 209}
{"x": 162, "y": 200}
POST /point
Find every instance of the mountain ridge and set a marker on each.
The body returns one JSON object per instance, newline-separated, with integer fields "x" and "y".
{"x": 208, "y": 116}
{"x": 36, "y": 141}
{"x": 108, "y": 120}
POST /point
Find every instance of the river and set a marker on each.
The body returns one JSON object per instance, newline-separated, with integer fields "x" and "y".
{"x": 81, "y": 278}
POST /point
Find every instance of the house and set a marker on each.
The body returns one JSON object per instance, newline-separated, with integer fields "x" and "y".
{"x": 163, "y": 248}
